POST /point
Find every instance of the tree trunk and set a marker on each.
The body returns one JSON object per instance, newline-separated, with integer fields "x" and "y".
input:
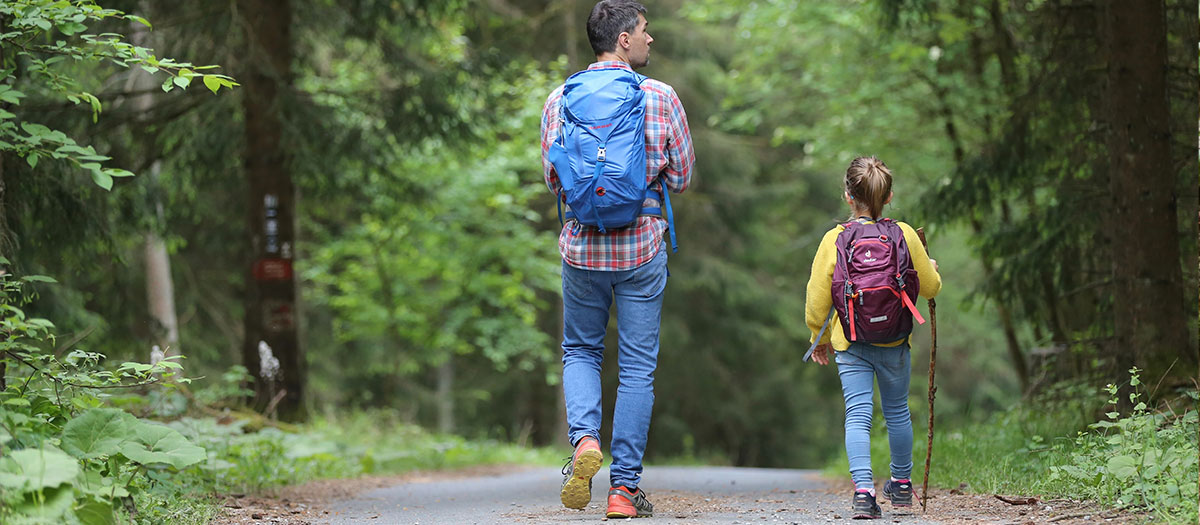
{"x": 445, "y": 396}
{"x": 571, "y": 33}
{"x": 1150, "y": 325}
{"x": 271, "y": 305}
{"x": 160, "y": 289}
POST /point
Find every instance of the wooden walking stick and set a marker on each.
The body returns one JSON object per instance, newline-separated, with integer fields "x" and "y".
{"x": 932, "y": 387}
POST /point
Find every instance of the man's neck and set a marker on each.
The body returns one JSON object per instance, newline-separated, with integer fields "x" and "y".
{"x": 611, "y": 57}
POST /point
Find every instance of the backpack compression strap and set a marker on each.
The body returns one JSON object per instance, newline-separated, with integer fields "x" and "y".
{"x": 819, "y": 335}
{"x": 900, "y": 284}
{"x": 908, "y": 302}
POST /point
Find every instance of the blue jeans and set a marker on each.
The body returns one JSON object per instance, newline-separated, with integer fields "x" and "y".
{"x": 587, "y": 296}
{"x": 858, "y": 368}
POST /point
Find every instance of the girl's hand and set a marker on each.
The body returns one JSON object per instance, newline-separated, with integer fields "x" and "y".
{"x": 821, "y": 353}
{"x": 934, "y": 263}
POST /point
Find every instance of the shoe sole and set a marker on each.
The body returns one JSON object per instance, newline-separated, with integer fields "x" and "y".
{"x": 867, "y": 517}
{"x": 577, "y": 491}
{"x": 625, "y": 511}
{"x": 622, "y": 515}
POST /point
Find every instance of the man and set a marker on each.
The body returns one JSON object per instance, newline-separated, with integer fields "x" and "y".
{"x": 627, "y": 263}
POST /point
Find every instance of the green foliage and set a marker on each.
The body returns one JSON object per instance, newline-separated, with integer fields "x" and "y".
{"x": 65, "y": 458}
{"x": 988, "y": 124}
{"x": 427, "y": 237}
{"x": 435, "y": 252}
{"x": 335, "y": 446}
{"x": 30, "y": 470}
{"x": 1145, "y": 459}
{"x": 228, "y": 391}
{"x": 42, "y": 33}
{"x": 98, "y": 432}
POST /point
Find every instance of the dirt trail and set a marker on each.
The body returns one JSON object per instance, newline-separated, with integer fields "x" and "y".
{"x": 682, "y": 495}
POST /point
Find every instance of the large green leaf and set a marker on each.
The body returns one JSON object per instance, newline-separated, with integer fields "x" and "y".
{"x": 95, "y": 512}
{"x": 159, "y": 444}
{"x": 1123, "y": 467}
{"x": 50, "y": 507}
{"x": 98, "y": 432}
{"x": 33, "y": 469}
{"x": 92, "y": 483}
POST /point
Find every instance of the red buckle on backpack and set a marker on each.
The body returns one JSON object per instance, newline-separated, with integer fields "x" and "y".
{"x": 600, "y": 191}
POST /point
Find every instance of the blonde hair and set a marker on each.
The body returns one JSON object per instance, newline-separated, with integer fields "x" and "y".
{"x": 869, "y": 182}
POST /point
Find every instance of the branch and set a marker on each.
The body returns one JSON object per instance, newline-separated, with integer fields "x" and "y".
{"x": 508, "y": 10}
{"x": 1016, "y": 501}
{"x": 63, "y": 382}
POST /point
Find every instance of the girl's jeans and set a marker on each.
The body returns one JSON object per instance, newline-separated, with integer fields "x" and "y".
{"x": 587, "y": 296}
{"x": 859, "y": 367}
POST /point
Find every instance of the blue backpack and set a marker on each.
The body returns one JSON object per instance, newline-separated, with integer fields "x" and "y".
{"x": 600, "y": 153}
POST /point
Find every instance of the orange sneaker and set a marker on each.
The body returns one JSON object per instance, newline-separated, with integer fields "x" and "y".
{"x": 622, "y": 503}
{"x": 577, "y": 473}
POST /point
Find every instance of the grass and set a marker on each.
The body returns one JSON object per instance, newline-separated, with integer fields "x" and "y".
{"x": 1144, "y": 460}
{"x": 331, "y": 447}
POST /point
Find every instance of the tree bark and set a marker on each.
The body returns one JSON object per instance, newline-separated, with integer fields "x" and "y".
{"x": 1150, "y": 325}
{"x": 571, "y": 33}
{"x": 160, "y": 289}
{"x": 271, "y": 299}
{"x": 445, "y": 396}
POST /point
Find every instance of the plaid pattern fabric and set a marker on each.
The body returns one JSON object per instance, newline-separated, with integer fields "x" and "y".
{"x": 668, "y": 153}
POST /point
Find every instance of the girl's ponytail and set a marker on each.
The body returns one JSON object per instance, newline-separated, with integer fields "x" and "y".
{"x": 869, "y": 182}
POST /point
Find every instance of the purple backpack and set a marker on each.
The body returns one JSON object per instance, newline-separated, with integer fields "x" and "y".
{"x": 874, "y": 283}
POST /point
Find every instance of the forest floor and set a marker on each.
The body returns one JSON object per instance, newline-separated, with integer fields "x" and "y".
{"x": 682, "y": 495}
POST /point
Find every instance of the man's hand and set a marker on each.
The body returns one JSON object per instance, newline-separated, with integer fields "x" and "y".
{"x": 821, "y": 353}
{"x": 934, "y": 263}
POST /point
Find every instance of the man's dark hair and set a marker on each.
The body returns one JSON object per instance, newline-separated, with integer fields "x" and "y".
{"x": 609, "y": 19}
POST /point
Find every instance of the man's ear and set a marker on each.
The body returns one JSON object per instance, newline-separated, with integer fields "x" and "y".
{"x": 623, "y": 40}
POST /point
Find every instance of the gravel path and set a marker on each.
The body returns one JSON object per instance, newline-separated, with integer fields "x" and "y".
{"x": 681, "y": 495}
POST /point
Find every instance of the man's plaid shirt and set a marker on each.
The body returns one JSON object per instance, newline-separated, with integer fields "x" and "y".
{"x": 668, "y": 151}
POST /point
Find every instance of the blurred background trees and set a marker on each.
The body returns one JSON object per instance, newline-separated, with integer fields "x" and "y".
{"x": 1053, "y": 166}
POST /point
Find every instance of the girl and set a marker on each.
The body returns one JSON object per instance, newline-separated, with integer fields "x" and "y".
{"x": 868, "y": 187}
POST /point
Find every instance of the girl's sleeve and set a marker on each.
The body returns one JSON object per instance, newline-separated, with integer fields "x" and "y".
{"x": 931, "y": 281}
{"x": 818, "y": 300}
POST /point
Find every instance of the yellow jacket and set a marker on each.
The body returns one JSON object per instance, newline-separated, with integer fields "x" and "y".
{"x": 819, "y": 300}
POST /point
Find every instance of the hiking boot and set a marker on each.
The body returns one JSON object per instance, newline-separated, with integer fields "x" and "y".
{"x": 865, "y": 507}
{"x": 623, "y": 503}
{"x": 577, "y": 473}
{"x": 900, "y": 492}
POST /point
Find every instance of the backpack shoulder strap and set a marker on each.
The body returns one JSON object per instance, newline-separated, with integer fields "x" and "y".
{"x": 820, "y": 334}
{"x": 848, "y": 232}
{"x": 897, "y": 238}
